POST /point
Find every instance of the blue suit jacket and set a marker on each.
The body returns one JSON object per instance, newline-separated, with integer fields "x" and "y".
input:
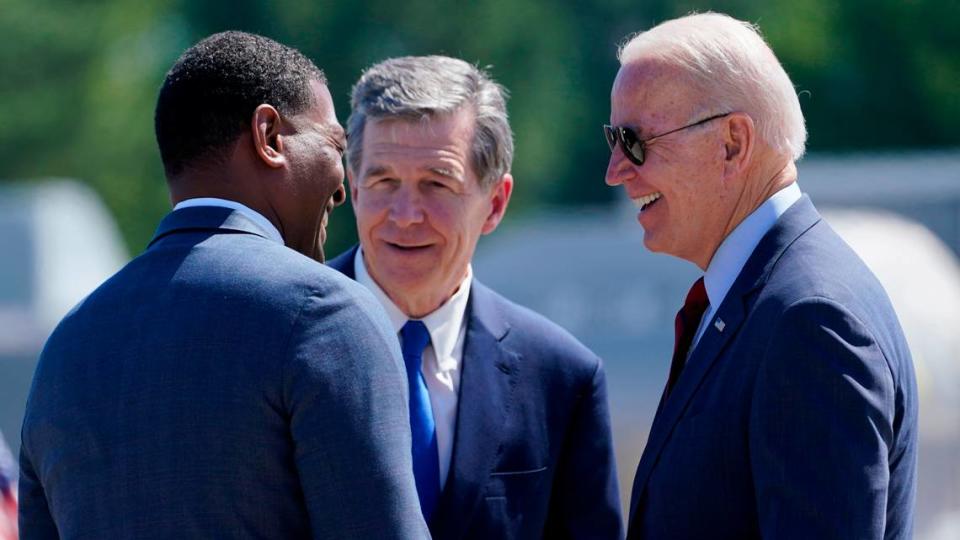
{"x": 219, "y": 386}
{"x": 532, "y": 454}
{"x": 796, "y": 414}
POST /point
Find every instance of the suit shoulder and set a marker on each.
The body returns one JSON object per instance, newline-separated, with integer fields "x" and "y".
{"x": 245, "y": 275}
{"x": 820, "y": 264}
{"x": 821, "y": 277}
{"x": 272, "y": 263}
{"x": 536, "y": 337}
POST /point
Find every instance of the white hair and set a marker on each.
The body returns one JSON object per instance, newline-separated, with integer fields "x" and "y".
{"x": 730, "y": 64}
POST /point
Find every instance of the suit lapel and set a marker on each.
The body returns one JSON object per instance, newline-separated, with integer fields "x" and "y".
{"x": 343, "y": 263}
{"x": 711, "y": 344}
{"x": 725, "y": 324}
{"x": 486, "y": 394}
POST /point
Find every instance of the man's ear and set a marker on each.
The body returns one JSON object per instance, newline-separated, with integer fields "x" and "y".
{"x": 352, "y": 183}
{"x": 265, "y": 127}
{"x": 499, "y": 198}
{"x": 739, "y": 140}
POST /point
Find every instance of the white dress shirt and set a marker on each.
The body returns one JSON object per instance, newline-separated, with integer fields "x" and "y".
{"x": 728, "y": 261}
{"x": 441, "y": 359}
{"x": 246, "y": 211}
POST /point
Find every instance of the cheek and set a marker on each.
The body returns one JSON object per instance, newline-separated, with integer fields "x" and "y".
{"x": 465, "y": 226}
{"x": 375, "y": 200}
{"x": 442, "y": 211}
{"x": 369, "y": 209}
{"x": 685, "y": 184}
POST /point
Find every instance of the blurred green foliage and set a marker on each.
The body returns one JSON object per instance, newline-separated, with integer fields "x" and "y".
{"x": 80, "y": 78}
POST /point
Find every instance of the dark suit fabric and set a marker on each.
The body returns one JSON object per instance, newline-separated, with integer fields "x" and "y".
{"x": 219, "y": 386}
{"x": 532, "y": 455}
{"x": 796, "y": 417}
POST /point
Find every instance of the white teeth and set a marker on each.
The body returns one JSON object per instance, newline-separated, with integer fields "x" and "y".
{"x": 646, "y": 199}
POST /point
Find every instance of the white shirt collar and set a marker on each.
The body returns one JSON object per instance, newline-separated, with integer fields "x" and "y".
{"x": 737, "y": 247}
{"x": 246, "y": 211}
{"x": 444, "y": 323}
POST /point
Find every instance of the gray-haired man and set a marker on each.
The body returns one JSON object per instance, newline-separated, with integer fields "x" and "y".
{"x": 790, "y": 410}
{"x": 511, "y": 432}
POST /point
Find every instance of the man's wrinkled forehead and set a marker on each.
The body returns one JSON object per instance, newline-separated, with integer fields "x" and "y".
{"x": 432, "y": 141}
{"x": 651, "y": 86}
{"x": 397, "y": 127}
{"x": 646, "y": 75}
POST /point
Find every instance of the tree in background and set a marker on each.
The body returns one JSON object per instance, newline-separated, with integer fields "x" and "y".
{"x": 81, "y": 78}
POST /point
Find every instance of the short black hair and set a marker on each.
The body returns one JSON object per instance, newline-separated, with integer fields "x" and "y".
{"x": 210, "y": 93}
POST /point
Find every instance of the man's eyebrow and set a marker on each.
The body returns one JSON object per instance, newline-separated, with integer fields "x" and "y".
{"x": 444, "y": 172}
{"x": 376, "y": 170}
{"x": 383, "y": 170}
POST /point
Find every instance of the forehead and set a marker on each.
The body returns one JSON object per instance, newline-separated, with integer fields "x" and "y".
{"x": 420, "y": 143}
{"x": 648, "y": 93}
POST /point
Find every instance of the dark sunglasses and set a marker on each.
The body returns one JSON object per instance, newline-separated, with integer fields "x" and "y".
{"x": 633, "y": 147}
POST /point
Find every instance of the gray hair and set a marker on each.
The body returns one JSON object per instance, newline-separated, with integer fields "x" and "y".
{"x": 730, "y": 64}
{"x": 420, "y": 87}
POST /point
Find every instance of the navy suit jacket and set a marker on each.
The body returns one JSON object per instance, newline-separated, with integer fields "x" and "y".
{"x": 796, "y": 414}
{"x": 532, "y": 454}
{"x": 219, "y": 386}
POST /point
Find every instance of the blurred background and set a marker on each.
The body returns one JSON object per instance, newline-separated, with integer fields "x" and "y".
{"x": 878, "y": 83}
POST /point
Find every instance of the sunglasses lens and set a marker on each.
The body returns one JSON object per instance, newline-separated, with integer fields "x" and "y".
{"x": 611, "y": 136}
{"x": 632, "y": 146}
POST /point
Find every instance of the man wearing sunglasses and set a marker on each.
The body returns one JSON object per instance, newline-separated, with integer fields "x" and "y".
{"x": 790, "y": 410}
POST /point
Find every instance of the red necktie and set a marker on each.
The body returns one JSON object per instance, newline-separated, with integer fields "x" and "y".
{"x": 685, "y": 326}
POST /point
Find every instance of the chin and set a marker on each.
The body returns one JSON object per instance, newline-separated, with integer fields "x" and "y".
{"x": 650, "y": 242}
{"x": 405, "y": 280}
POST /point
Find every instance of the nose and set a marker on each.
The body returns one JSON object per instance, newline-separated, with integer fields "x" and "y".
{"x": 406, "y": 207}
{"x": 618, "y": 168}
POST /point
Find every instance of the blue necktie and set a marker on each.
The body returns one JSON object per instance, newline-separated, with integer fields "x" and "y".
{"x": 414, "y": 338}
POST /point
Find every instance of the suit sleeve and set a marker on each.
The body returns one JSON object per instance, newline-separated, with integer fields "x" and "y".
{"x": 347, "y": 397}
{"x": 821, "y": 427}
{"x": 34, "y": 518}
{"x": 585, "y": 502}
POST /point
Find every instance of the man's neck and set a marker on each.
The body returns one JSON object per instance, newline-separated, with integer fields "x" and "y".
{"x": 200, "y": 185}
{"x": 759, "y": 186}
{"x": 419, "y": 306}
{"x": 415, "y": 304}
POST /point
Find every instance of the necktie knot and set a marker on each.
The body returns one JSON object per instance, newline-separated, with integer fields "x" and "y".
{"x": 414, "y": 338}
{"x": 696, "y": 304}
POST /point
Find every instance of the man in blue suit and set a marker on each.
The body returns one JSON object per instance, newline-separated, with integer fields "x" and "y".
{"x": 791, "y": 406}
{"x": 511, "y": 430}
{"x": 225, "y": 384}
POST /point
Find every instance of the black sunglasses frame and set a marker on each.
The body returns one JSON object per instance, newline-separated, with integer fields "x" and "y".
{"x": 634, "y": 147}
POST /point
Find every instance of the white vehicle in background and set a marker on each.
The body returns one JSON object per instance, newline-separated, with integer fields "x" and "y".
{"x": 57, "y": 243}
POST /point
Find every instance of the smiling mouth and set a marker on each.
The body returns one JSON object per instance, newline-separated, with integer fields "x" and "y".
{"x": 645, "y": 202}
{"x": 408, "y": 248}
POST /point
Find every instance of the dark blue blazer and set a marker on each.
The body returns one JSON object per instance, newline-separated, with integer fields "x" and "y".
{"x": 532, "y": 454}
{"x": 796, "y": 414}
{"x": 219, "y": 386}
